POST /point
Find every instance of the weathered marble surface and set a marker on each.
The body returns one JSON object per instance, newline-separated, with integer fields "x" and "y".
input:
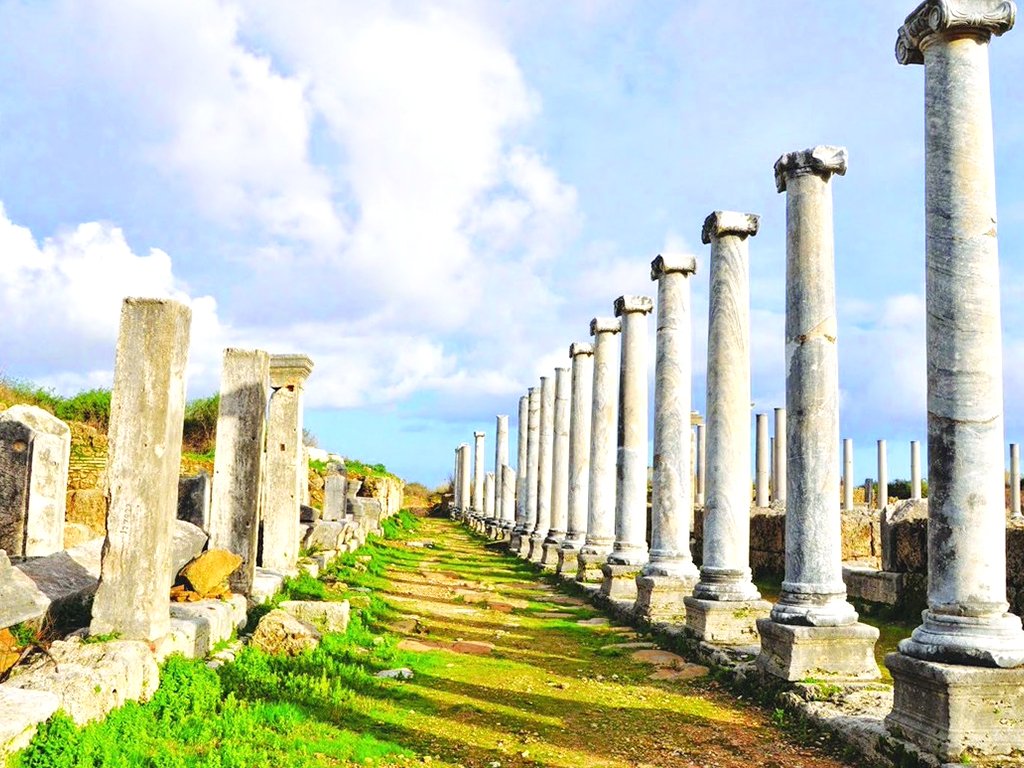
{"x": 465, "y": 477}
{"x": 500, "y": 459}
{"x": 477, "y": 500}
{"x": 781, "y": 453}
{"x": 520, "y": 489}
{"x": 560, "y": 459}
{"x": 545, "y": 444}
{"x": 580, "y": 419}
{"x": 761, "y": 459}
{"x": 848, "y": 481}
{"x": 883, "y": 475}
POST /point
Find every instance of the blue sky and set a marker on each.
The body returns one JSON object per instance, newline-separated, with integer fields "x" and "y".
{"x": 432, "y": 199}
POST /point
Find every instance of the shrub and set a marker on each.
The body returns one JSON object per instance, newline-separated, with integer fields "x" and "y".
{"x": 200, "y": 433}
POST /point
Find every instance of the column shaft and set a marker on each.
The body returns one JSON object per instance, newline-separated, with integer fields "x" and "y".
{"x": 761, "y": 461}
{"x": 1015, "y": 479}
{"x": 915, "y": 469}
{"x": 883, "y": 475}
{"x": 601, "y": 501}
{"x": 580, "y": 419}
{"x": 847, "y": 474}
{"x": 500, "y": 455}
{"x": 520, "y": 490}
{"x": 477, "y": 502}
{"x": 702, "y": 447}
{"x": 560, "y": 458}
{"x": 781, "y": 454}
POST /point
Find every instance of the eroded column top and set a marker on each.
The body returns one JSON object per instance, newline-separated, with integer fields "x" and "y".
{"x": 479, "y": 435}
{"x": 982, "y": 18}
{"x": 580, "y": 348}
{"x": 721, "y": 223}
{"x": 627, "y": 304}
{"x": 665, "y": 263}
{"x": 823, "y": 160}
{"x": 289, "y": 370}
{"x": 605, "y": 325}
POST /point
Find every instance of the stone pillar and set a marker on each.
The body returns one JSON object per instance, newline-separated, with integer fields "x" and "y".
{"x": 238, "y": 461}
{"x": 1015, "y": 480}
{"x": 959, "y": 675}
{"x": 287, "y": 473}
{"x": 35, "y": 452}
{"x": 761, "y": 460}
{"x": 559, "y": 472}
{"x": 781, "y": 479}
{"x": 489, "y": 499}
{"x": 532, "y": 470}
{"x": 545, "y": 444}
{"x": 883, "y": 476}
{"x": 334, "y": 495}
{"x": 629, "y": 552}
{"x": 477, "y": 502}
{"x": 508, "y": 499}
{"x": 869, "y": 492}
{"x": 670, "y": 574}
{"x": 601, "y": 491}
{"x": 520, "y": 489}
{"x": 915, "y": 469}
{"x": 725, "y": 603}
{"x": 580, "y": 419}
{"x": 702, "y": 447}
{"x": 500, "y": 460}
{"x": 847, "y": 474}
{"x": 813, "y": 630}
{"x": 147, "y": 411}
{"x": 771, "y": 468}
{"x": 456, "y": 483}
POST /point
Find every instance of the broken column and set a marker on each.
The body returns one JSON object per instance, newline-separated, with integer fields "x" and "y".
{"x": 477, "y": 502}
{"x": 601, "y": 491}
{"x": 779, "y": 465}
{"x": 725, "y": 602}
{"x": 915, "y": 470}
{"x": 500, "y": 460}
{"x": 702, "y": 447}
{"x": 629, "y": 552}
{"x": 582, "y": 402}
{"x": 559, "y": 472}
{"x": 761, "y": 460}
{"x": 147, "y": 411}
{"x": 545, "y": 444}
{"x": 488, "y": 510}
{"x": 847, "y": 474}
{"x": 670, "y": 574}
{"x": 286, "y": 474}
{"x": 521, "y": 537}
{"x": 238, "y": 460}
{"x": 520, "y": 488}
{"x": 465, "y": 478}
{"x": 813, "y": 631}
{"x": 958, "y": 678}
{"x": 883, "y": 476}
{"x": 35, "y": 452}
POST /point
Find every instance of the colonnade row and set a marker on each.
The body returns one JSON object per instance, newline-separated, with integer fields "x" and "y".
{"x": 577, "y": 502}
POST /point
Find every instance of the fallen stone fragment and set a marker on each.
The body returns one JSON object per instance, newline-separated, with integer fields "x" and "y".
{"x": 281, "y": 633}
{"x": 472, "y": 647}
{"x": 21, "y": 711}
{"x": 659, "y": 658}
{"x": 402, "y": 673}
{"x": 326, "y": 616}
{"x": 210, "y": 571}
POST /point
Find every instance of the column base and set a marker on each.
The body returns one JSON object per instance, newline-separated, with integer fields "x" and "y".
{"x": 515, "y": 541}
{"x": 987, "y": 641}
{"x": 956, "y": 712}
{"x": 536, "y": 551}
{"x": 619, "y": 582}
{"x": 588, "y": 567}
{"x": 794, "y": 652}
{"x": 568, "y": 563}
{"x": 549, "y": 555}
{"x": 726, "y": 622}
{"x": 659, "y": 599}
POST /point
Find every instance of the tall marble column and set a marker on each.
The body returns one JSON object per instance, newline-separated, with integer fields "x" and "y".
{"x": 670, "y": 574}
{"x": 959, "y": 674}
{"x": 508, "y": 498}
{"x": 847, "y": 474}
{"x": 883, "y": 476}
{"x": 813, "y": 630}
{"x": 1015, "y": 480}
{"x": 601, "y": 493}
{"x": 520, "y": 489}
{"x": 781, "y": 451}
{"x": 915, "y": 469}
{"x": 455, "y": 482}
{"x": 500, "y": 460}
{"x": 465, "y": 479}
{"x": 761, "y": 460}
{"x": 544, "y": 468}
{"x": 629, "y": 552}
{"x": 725, "y": 603}
{"x": 702, "y": 446}
{"x": 581, "y": 403}
{"x": 477, "y": 501}
{"x": 520, "y": 541}
{"x": 559, "y": 471}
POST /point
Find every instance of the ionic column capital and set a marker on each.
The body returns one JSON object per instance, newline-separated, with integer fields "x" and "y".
{"x": 970, "y": 17}
{"x": 605, "y": 325}
{"x": 721, "y": 223}
{"x": 823, "y": 160}
{"x": 580, "y": 348}
{"x": 627, "y": 304}
{"x": 664, "y": 264}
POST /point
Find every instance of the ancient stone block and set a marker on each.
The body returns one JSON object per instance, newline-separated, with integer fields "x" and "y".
{"x": 325, "y": 616}
{"x": 281, "y": 633}
{"x": 15, "y": 473}
{"x": 834, "y": 653}
{"x": 334, "y": 497}
{"x": 725, "y": 622}
{"x": 904, "y": 531}
{"x": 210, "y": 571}
{"x": 194, "y": 496}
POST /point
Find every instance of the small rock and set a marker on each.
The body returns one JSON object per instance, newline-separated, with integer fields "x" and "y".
{"x": 210, "y": 570}
{"x": 402, "y": 673}
{"x": 281, "y": 633}
{"x": 473, "y": 647}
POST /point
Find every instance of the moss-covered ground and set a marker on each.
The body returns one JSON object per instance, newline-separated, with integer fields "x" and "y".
{"x": 504, "y": 675}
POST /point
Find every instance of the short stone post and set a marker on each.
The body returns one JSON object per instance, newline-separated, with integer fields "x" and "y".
{"x": 35, "y": 453}
{"x": 702, "y": 448}
{"x": 670, "y": 574}
{"x": 725, "y": 603}
{"x": 581, "y": 405}
{"x": 520, "y": 489}
{"x": 545, "y": 444}
{"x": 915, "y": 470}
{"x": 335, "y": 488}
{"x": 761, "y": 460}
{"x": 779, "y": 467}
{"x": 883, "y": 476}
{"x": 238, "y": 460}
{"x": 500, "y": 460}
{"x": 601, "y": 491}
{"x": 477, "y": 502}
{"x": 813, "y": 631}
{"x": 147, "y": 412}
{"x": 287, "y": 474}
{"x": 522, "y": 543}
{"x": 559, "y": 472}
{"x": 465, "y": 478}
{"x": 958, "y": 681}
{"x": 629, "y": 552}
{"x": 1015, "y": 480}
{"x": 847, "y": 474}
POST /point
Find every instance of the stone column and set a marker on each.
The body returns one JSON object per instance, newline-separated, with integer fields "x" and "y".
{"x": 508, "y": 498}
{"x": 629, "y": 552}
{"x": 847, "y": 474}
{"x": 725, "y": 602}
{"x": 1014, "y": 480}
{"x": 465, "y": 478}
{"x": 771, "y": 468}
{"x": 559, "y": 472}
{"x": 581, "y": 405}
{"x": 335, "y": 491}
{"x": 813, "y": 630}
{"x": 238, "y": 461}
{"x": 942, "y": 706}
{"x": 286, "y": 470}
{"x": 532, "y": 466}
{"x": 869, "y": 492}
{"x": 601, "y": 491}
{"x": 520, "y": 489}
{"x": 779, "y": 468}
{"x": 545, "y": 444}
{"x": 883, "y": 476}
{"x": 670, "y": 573}
{"x": 915, "y": 469}
{"x": 702, "y": 447}
{"x": 761, "y": 460}
{"x": 147, "y": 411}
{"x": 500, "y": 460}
{"x": 456, "y": 484}
{"x": 489, "y": 499}
{"x": 477, "y": 502}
